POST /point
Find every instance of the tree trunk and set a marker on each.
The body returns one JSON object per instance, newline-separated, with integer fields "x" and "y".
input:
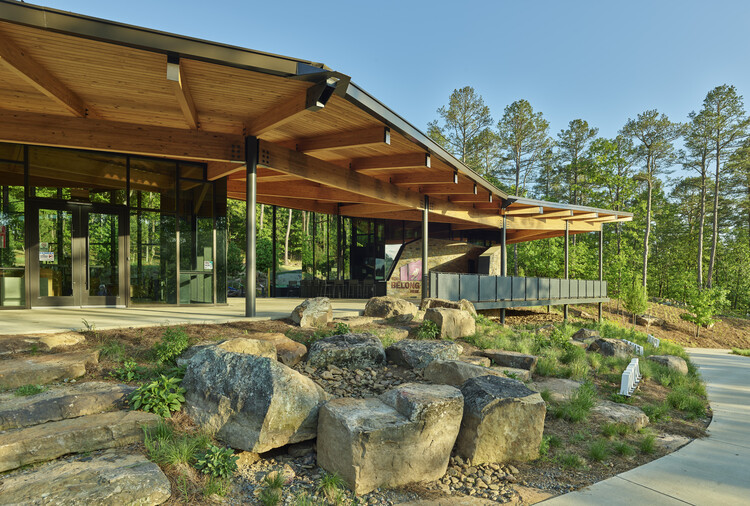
{"x": 702, "y": 224}
{"x": 715, "y": 238}
{"x": 647, "y": 234}
{"x": 286, "y": 238}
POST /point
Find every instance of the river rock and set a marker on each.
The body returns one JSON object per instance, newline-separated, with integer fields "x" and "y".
{"x": 115, "y": 477}
{"x": 313, "y": 313}
{"x": 452, "y": 323}
{"x": 347, "y": 350}
{"x": 455, "y": 372}
{"x": 614, "y": 412}
{"x": 252, "y": 403}
{"x": 611, "y": 347}
{"x": 675, "y": 363}
{"x": 388, "y": 307}
{"x": 510, "y": 359}
{"x": 404, "y": 436}
{"x": 503, "y": 421}
{"x": 418, "y": 354}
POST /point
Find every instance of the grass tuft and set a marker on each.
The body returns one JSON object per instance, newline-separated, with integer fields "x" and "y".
{"x": 599, "y": 450}
{"x": 26, "y": 390}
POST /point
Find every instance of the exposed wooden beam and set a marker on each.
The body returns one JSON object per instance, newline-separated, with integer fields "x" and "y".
{"x": 292, "y": 162}
{"x": 392, "y": 162}
{"x": 482, "y": 197}
{"x": 218, "y": 170}
{"x": 40, "y": 78}
{"x": 448, "y": 189}
{"x": 418, "y": 179}
{"x": 300, "y": 205}
{"x": 494, "y": 206}
{"x": 278, "y": 115}
{"x": 531, "y": 235}
{"x": 603, "y": 219}
{"x": 524, "y": 211}
{"x": 531, "y": 223}
{"x": 584, "y": 216}
{"x": 554, "y": 214}
{"x": 467, "y": 226}
{"x": 104, "y": 135}
{"x": 177, "y": 82}
{"x": 310, "y": 191}
{"x": 368, "y": 209}
{"x": 378, "y": 136}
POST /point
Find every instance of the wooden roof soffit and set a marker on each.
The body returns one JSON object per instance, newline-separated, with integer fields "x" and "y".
{"x": 449, "y": 189}
{"x": 292, "y": 162}
{"x": 391, "y": 162}
{"x": 524, "y": 211}
{"x": 218, "y": 170}
{"x": 442, "y": 177}
{"x": 179, "y": 86}
{"x": 530, "y": 235}
{"x": 67, "y": 132}
{"x": 378, "y": 136}
{"x": 584, "y": 216}
{"x": 40, "y": 78}
{"x": 480, "y": 197}
{"x": 554, "y": 214}
{"x": 314, "y": 99}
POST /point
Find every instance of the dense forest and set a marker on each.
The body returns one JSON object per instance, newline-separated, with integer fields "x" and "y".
{"x": 687, "y": 180}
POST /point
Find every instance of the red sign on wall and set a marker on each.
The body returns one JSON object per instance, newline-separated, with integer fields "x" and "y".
{"x": 3, "y": 236}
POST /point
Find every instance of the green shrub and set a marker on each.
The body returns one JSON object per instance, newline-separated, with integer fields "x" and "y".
{"x": 624, "y": 449}
{"x": 599, "y": 450}
{"x": 428, "y": 329}
{"x": 578, "y": 407}
{"x": 544, "y": 446}
{"x": 615, "y": 429}
{"x": 218, "y": 462}
{"x": 546, "y": 366}
{"x": 173, "y": 342}
{"x": 112, "y": 350}
{"x": 483, "y": 320}
{"x": 166, "y": 447}
{"x": 703, "y": 305}
{"x": 619, "y": 398}
{"x": 745, "y": 352}
{"x": 546, "y": 395}
{"x": 342, "y": 328}
{"x": 26, "y": 390}
{"x": 270, "y": 496}
{"x": 127, "y": 372}
{"x": 217, "y": 485}
{"x": 684, "y": 400}
{"x": 656, "y": 412}
{"x": 635, "y": 300}
{"x": 648, "y": 444}
{"x": 162, "y": 396}
{"x": 570, "y": 461}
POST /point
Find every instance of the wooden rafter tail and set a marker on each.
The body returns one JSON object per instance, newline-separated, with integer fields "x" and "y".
{"x": 178, "y": 83}
{"x": 377, "y": 136}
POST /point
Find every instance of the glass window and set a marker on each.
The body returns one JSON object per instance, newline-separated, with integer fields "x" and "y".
{"x": 84, "y": 176}
{"x": 152, "y": 184}
{"x": 12, "y": 246}
{"x": 55, "y": 253}
{"x": 153, "y": 266}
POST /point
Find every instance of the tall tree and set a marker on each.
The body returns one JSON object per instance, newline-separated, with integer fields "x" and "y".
{"x": 696, "y": 157}
{"x": 656, "y": 135}
{"x": 728, "y": 124}
{"x": 486, "y": 157}
{"x": 573, "y": 144}
{"x": 462, "y": 122}
{"x": 523, "y": 137}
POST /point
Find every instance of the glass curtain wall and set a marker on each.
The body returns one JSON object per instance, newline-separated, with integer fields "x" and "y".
{"x": 12, "y": 227}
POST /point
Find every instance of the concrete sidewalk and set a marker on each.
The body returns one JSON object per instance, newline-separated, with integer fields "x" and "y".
{"x": 711, "y": 471}
{"x": 48, "y": 320}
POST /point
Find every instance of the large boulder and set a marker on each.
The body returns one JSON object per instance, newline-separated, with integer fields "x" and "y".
{"x": 455, "y": 372}
{"x": 585, "y": 334}
{"x": 511, "y": 359}
{"x": 418, "y": 354}
{"x": 238, "y": 345}
{"x": 404, "y": 436}
{"x": 503, "y": 421}
{"x": 613, "y": 412}
{"x": 288, "y": 351}
{"x": 452, "y": 323}
{"x": 611, "y": 347}
{"x": 463, "y": 304}
{"x": 675, "y": 363}
{"x": 252, "y": 403}
{"x": 388, "y": 307}
{"x": 560, "y": 389}
{"x": 347, "y": 350}
{"x": 648, "y": 320}
{"x": 313, "y": 313}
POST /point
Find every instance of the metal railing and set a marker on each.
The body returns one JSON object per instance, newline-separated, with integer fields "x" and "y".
{"x": 515, "y": 291}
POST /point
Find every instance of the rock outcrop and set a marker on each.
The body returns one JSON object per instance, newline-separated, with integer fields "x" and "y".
{"x": 452, "y": 323}
{"x": 404, "y": 436}
{"x": 503, "y": 421}
{"x": 347, "y": 350}
{"x": 252, "y": 403}
{"x": 418, "y": 354}
{"x": 313, "y": 313}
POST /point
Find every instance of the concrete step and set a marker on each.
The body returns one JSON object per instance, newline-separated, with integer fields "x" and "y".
{"x": 40, "y": 443}
{"x": 115, "y": 477}
{"x": 42, "y": 369}
{"x": 40, "y": 342}
{"x": 61, "y": 402}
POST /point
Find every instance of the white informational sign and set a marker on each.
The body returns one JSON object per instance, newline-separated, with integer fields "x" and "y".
{"x": 46, "y": 256}
{"x": 208, "y": 265}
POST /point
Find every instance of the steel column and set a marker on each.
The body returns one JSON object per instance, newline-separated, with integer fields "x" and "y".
{"x": 272, "y": 281}
{"x": 251, "y": 160}
{"x": 601, "y": 266}
{"x": 425, "y": 240}
{"x": 565, "y": 267}
{"x": 503, "y": 260}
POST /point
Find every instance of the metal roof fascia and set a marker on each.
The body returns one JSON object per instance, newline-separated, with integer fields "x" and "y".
{"x": 558, "y": 205}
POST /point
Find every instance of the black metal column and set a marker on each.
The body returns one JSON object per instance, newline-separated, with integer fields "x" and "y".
{"x": 567, "y": 274}
{"x": 251, "y": 160}
{"x": 503, "y": 260}
{"x": 272, "y": 281}
{"x": 425, "y": 240}
{"x": 601, "y": 266}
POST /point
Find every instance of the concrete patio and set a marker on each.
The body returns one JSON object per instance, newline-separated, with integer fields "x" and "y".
{"x": 49, "y": 320}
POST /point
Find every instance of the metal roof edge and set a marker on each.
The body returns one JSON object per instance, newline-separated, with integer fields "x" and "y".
{"x": 558, "y": 205}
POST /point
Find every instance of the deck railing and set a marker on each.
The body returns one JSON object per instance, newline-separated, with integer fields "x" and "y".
{"x": 487, "y": 291}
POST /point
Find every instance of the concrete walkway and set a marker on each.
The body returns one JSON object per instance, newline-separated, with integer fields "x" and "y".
{"x": 711, "y": 471}
{"x": 48, "y": 320}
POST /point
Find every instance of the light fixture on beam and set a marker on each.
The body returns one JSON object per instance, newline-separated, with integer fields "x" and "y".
{"x": 319, "y": 94}
{"x": 455, "y": 177}
{"x": 475, "y": 188}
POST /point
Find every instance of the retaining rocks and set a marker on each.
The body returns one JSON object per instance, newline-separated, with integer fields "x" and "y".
{"x": 313, "y": 313}
{"x": 613, "y": 412}
{"x": 388, "y": 307}
{"x": 404, "y": 436}
{"x": 675, "y": 363}
{"x": 44, "y": 369}
{"x": 452, "y": 323}
{"x": 455, "y": 372}
{"x": 611, "y": 347}
{"x": 252, "y": 403}
{"x": 463, "y": 304}
{"x": 418, "y": 354}
{"x": 503, "y": 421}
{"x": 347, "y": 350}
{"x": 510, "y": 359}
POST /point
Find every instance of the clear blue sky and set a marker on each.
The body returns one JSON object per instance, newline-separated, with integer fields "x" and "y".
{"x": 600, "y": 60}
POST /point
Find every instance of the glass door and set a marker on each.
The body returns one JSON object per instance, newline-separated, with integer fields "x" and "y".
{"x": 77, "y": 255}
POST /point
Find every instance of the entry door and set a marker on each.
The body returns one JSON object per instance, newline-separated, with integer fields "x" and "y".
{"x": 78, "y": 256}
